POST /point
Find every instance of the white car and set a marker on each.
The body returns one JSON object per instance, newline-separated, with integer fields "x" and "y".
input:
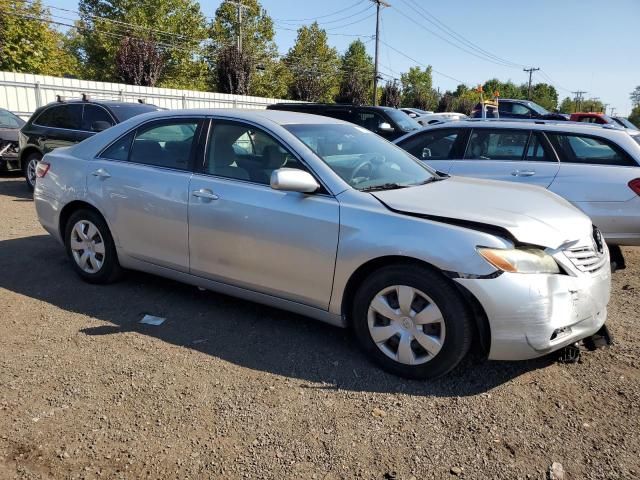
{"x": 597, "y": 168}
{"x": 433, "y": 118}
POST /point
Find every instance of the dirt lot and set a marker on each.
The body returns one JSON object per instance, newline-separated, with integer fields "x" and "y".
{"x": 230, "y": 389}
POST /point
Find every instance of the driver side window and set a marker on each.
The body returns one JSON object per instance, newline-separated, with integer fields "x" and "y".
{"x": 243, "y": 152}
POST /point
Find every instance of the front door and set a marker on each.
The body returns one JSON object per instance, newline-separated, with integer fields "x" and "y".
{"x": 244, "y": 233}
{"x": 508, "y": 154}
{"x": 141, "y": 185}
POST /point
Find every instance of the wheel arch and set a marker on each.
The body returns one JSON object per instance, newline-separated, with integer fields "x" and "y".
{"x": 72, "y": 207}
{"x": 482, "y": 329}
{"x": 28, "y": 151}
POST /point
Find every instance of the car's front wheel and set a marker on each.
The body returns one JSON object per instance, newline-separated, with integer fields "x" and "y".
{"x": 412, "y": 321}
{"x": 29, "y": 166}
{"x": 91, "y": 248}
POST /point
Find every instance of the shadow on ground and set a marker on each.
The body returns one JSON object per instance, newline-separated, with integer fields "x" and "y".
{"x": 241, "y": 332}
{"x": 16, "y": 188}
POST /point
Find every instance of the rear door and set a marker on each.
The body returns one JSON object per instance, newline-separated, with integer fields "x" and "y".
{"x": 437, "y": 147}
{"x": 141, "y": 184}
{"x": 594, "y": 175}
{"x": 515, "y": 155}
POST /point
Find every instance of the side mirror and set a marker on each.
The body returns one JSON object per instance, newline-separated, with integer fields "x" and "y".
{"x": 293, "y": 180}
{"x": 385, "y": 127}
{"x": 99, "y": 126}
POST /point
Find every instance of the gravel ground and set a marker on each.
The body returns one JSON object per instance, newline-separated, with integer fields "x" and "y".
{"x": 229, "y": 389}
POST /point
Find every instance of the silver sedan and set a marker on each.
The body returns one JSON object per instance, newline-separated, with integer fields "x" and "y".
{"x": 324, "y": 218}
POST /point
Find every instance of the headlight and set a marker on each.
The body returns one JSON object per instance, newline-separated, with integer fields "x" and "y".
{"x": 520, "y": 260}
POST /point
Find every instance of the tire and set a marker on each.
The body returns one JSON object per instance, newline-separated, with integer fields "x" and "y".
{"x": 29, "y": 169}
{"x": 98, "y": 261}
{"x": 438, "y": 317}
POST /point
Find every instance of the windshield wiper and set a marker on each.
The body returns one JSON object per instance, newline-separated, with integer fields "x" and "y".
{"x": 384, "y": 186}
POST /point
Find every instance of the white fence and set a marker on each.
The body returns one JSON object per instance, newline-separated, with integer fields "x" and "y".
{"x": 22, "y": 93}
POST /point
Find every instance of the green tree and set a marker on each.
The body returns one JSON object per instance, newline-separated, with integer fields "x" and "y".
{"x": 545, "y": 95}
{"x": 28, "y": 44}
{"x": 506, "y": 89}
{"x": 314, "y": 66}
{"x": 567, "y": 105}
{"x": 634, "y": 117}
{"x": 635, "y": 96}
{"x": 356, "y": 75}
{"x": 267, "y": 76}
{"x": 592, "y": 105}
{"x": 177, "y": 27}
{"x": 391, "y": 95}
{"x": 417, "y": 90}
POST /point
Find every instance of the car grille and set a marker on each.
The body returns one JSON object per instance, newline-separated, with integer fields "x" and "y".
{"x": 586, "y": 259}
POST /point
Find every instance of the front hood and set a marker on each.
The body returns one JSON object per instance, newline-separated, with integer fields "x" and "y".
{"x": 530, "y": 214}
{"x": 10, "y": 134}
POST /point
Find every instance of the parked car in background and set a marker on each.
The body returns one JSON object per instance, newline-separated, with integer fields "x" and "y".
{"x": 415, "y": 112}
{"x": 430, "y": 119}
{"x": 10, "y": 124}
{"x": 324, "y": 218}
{"x": 593, "y": 117}
{"x": 595, "y": 168}
{"x": 519, "y": 109}
{"x": 625, "y": 123}
{"x": 387, "y": 122}
{"x": 65, "y": 123}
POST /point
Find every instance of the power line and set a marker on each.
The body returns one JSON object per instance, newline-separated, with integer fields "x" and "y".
{"x": 320, "y": 16}
{"x": 367, "y": 8}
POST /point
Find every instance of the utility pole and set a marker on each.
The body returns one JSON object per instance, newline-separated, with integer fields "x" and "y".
{"x": 613, "y": 111}
{"x": 240, "y": 7}
{"x": 378, "y": 3}
{"x": 604, "y": 108}
{"x": 578, "y": 99}
{"x": 530, "y": 71}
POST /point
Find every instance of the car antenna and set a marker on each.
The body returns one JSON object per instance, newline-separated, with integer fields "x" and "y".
{"x": 85, "y": 97}
{"x": 60, "y": 98}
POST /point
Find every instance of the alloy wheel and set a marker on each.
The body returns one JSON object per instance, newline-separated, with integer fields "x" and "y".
{"x": 87, "y": 246}
{"x": 31, "y": 171}
{"x": 406, "y": 325}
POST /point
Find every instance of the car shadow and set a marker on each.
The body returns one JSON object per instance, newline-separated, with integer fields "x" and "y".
{"x": 13, "y": 185}
{"x": 244, "y": 333}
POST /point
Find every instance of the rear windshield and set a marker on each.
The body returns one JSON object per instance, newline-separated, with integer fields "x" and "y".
{"x": 124, "y": 111}
{"x": 9, "y": 120}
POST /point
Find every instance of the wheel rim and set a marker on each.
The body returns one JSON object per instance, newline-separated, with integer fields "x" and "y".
{"x": 406, "y": 325}
{"x": 87, "y": 246}
{"x": 31, "y": 171}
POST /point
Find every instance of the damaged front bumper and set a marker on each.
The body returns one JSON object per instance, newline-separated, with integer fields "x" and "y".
{"x": 531, "y": 315}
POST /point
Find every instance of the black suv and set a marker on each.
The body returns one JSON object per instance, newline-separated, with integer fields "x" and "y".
{"x": 387, "y": 122}
{"x": 65, "y": 123}
{"x": 522, "y": 109}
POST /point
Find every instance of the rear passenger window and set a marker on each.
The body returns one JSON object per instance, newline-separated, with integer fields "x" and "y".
{"x": 588, "y": 150}
{"x": 164, "y": 144}
{"x": 489, "y": 144}
{"x": 120, "y": 149}
{"x": 433, "y": 145}
{"x": 62, "y": 116}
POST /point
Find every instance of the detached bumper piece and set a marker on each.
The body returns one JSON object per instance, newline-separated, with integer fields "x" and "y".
{"x": 9, "y": 156}
{"x": 601, "y": 339}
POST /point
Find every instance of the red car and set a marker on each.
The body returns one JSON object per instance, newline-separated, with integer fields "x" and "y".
{"x": 592, "y": 117}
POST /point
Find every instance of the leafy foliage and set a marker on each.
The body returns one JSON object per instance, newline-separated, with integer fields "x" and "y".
{"x": 417, "y": 89}
{"x": 233, "y": 71}
{"x": 27, "y": 42}
{"x": 356, "y": 72}
{"x": 391, "y": 95}
{"x": 139, "y": 62}
{"x": 635, "y": 97}
{"x": 314, "y": 66}
{"x": 634, "y": 117}
{"x": 177, "y": 27}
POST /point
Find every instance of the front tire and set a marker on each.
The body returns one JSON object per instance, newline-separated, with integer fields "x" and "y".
{"x": 412, "y": 321}
{"x": 91, "y": 248}
{"x": 29, "y": 165}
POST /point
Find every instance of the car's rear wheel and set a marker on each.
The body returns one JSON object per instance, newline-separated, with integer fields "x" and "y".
{"x": 412, "y": 321}
{"x": 91, "y": 248}
{"x": 29, "y": 165}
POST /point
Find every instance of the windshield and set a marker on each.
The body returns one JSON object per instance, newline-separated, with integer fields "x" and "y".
{"x": 404, "y": 121}
{"x": 625, "y": 123}
{"x": 126, "y": 111}
{"x": 361, "y": 158}
{"x": 537, "y": 108}
{"x": 9, "y": 120}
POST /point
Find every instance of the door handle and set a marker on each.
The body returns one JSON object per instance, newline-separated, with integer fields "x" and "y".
{"x": 205, "y": 193}
{"x": 101, "y": 173}
{"x": 523, "y": 173}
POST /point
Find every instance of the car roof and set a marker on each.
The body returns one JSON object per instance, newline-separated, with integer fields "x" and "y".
{"x": 311, "y": 106}
{"x": 97, "y": 102}
{"x": 280, "y": 117}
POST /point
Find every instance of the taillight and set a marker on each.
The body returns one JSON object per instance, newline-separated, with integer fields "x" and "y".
{"x": 42, "y": 169}
{"x": 635, "y": 185}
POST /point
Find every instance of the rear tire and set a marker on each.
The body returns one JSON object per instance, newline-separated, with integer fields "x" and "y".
{"x": 425, "y": 327}
{"x": 90, "y": 248}
{"x": 29, "y": 165}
